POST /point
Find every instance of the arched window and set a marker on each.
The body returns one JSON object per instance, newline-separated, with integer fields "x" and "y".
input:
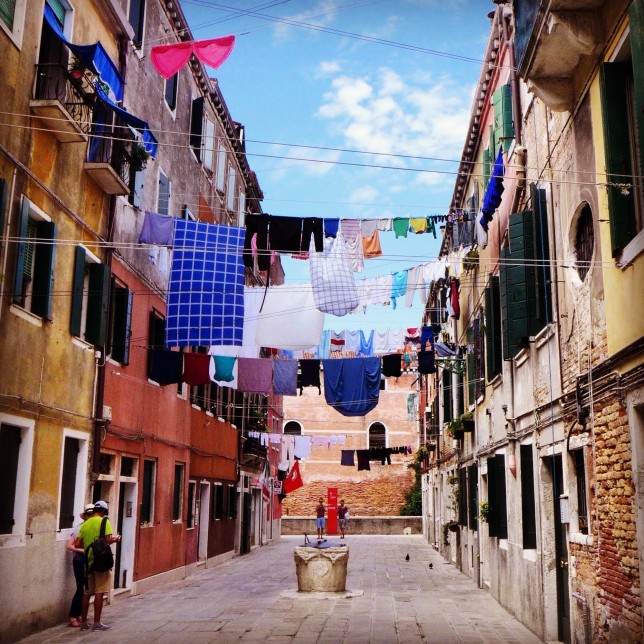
{"x": 377, "y": 435}
{"x": 293, "y": 427}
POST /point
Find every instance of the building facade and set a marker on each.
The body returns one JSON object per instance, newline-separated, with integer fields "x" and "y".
{"x": 533, "y": 480}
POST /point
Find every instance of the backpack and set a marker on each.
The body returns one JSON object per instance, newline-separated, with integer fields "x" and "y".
{"x": 103, "y": 559}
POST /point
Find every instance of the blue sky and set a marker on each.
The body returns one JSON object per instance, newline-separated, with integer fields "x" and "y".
{"x": 292, "y": 85}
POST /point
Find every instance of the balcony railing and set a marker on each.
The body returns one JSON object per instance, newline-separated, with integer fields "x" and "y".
{"x": 109, "y": 156}
{"x": 65, "y": 99}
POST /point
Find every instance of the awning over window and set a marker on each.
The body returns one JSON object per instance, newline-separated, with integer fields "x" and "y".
{"x": 94, "y": 57}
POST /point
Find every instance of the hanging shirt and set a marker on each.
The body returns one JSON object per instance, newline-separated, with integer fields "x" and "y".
{"x": 285, "y": 234}
{"x": 415, "y": 281}
{"x": 369, "y": 227}
{"x": 331, "y": 227}
{"x": 352, "y": 386}
{"x": 418, "y": 224}
{"x": 302, "y": 446}
{"x": 352, "y": 341}
{"x": 196, "y": 368}
{"x": 363, "y": 459}
{"x": 392, "y": 365}
{"x": 399, "y": 286}
{"x": 371, "y": 246}
{"x": 224, "y": 369}
{"x": 401, "y": 226}
{"x": 312, "y": 227}
{"x": 366, "y": 344}
{"x": 385, "y": 224}
{"x": 347, "y": 457}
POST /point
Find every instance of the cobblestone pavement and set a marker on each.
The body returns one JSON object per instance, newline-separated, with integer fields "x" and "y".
{"x": 254, "y": 599}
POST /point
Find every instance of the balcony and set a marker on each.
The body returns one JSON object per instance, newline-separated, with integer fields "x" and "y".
{"x": 558, "y": 44}
{"x": 253, "y": 454}
{"x": 109, "y": 157}
{"x": 64, "y": 99}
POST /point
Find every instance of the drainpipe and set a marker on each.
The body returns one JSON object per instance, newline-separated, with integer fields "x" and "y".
{"x": 585, "y": 615}
{"x": 3, "y": 278}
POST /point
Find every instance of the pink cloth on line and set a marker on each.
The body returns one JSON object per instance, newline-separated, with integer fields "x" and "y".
{"x": 255, "y": 375}
{"x": 169, "y": 59}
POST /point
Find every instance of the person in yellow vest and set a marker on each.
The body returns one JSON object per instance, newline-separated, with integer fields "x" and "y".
{"x": 98, "y": 583}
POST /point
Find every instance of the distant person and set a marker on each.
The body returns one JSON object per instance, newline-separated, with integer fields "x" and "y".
{"x": 343, "y": 517}
{"x": 78, "y": 564}
{"x": 98, "y": 583}
{"x": 320, "y": 511}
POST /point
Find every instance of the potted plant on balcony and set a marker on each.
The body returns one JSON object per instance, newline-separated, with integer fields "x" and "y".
{"x": 77, "y": 69}
{"x": 138, "y": 157}
{"x": 484, "y": 511}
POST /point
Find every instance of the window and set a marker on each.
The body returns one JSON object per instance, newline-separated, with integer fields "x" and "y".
{"x": 460, "y": 388}
{"x": 526, "y": 305}
{"x": 293, "y": 427}
{"x": 192, "y": 505}
{"x": 72, "y": 483}
{"x": 528, "y": 514}
{"x": 163, "y": 201}
{"x": 221, "y": 168}
{"x": 147, "y": 495}
{"x": 230, "y": 194}
{"x": 136, "y": 182}
{"x": 582, "y": 502}
{"x": 89, "y": 298}
{"x": 496, "y": 494}
{"x": 503, "y": 123}
{"x": 16, "y": 445}
{"x": 377, "y": 435}
{"x": 479, "y": 357}
{"x": 241, "y": 205}
{"x": 218, "y": 505}
{"x": 209, "y": 146}
{"x": 137, "y": 20}
{"x": 12, "y": 18}
{"x": 34, "y": 277}
{"x": 473, "y": 495}
{"x": 470, "y": 364}
{"x": 196, "y": 126}
{"x": 177, "y": 493}
{"x": 120, "y": 323}
{"x": 622, "y": 95}
{"x": 584, "y": 242}
{"x": 447, "y": 396}
{"x": 232, "y": 502}
{"x": 171, "y": 86}
{"x": 494, "y": 352}
{"x": 156, "y": 337}
{"x": 462, "y": 496}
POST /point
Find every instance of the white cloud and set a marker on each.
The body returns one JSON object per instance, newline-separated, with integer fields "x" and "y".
{"x": 321, "y": 14}
{"x": 416, "y": 115}
{"x": 329, "y": 67}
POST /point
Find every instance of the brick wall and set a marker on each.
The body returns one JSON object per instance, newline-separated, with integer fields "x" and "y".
{"x": 378, "y": 492}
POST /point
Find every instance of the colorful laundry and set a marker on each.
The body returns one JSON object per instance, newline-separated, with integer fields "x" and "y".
{"x": 401, "y": 226}
{"x": 157, "y": 229}
{"x": 352, "y": 386}
{"x": 169, "y": 59}
{"x": 224, "y": 369}
{"x": 371, "y": 246}
{"x": 399, "y": 286}
{"x": 418, "y": 225}
{"x": 206, "y": 286}
{"x": 285, "y": 377}
{"x": 166, "y": 367}
{"x": 196, "y": 368}
{"x": 255, "y": 375}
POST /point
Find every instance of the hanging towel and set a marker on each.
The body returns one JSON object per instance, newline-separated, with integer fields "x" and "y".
{"x": 289, "y": 319}
{"x": 166, "y": 366}
{"x": 385, "y": 224}
{"x": 381, "y": 342}
{"x": 310, "y": 374}
{"x": 456, "y": 307}
{"x": 426, "y": 362}
{"x": 285, "y": 234}
{"x": 418, "y": 224}
{"x": 352, "y": 386}
{"x": 224, "y": 369}
{"x": 206, "y": 286}
{"x": 347, "y": 457}
{"x": 196, "y": 368}
{"x": 302, "y": 446}
{"x": 257, "y": 228}
{"x": 352, "y": 341}
{"x": 285, "y": 377}
{"x": 355, "y": 253}
{"x": 399, "y": 286}
{"x": 337, "y": 341}
{"x": 331, "y": 227}
{"x": 481, "y": 233}
{"x": 324, "y": 346}
{"x": 396, "y": 339}
{"x": 157, "y": 229}
{"x": 414, "y": 282}
{"x": 401, "y": 226}
{"x": 369, "y": 227}
{"x": 363, "y": 459}
{"x": 371, "y": 246}
{"x": 366, "y": 344}
{"x": 255, "y": 375}
{"x": 392, "y": 365}
{"x": 334, "y": 289}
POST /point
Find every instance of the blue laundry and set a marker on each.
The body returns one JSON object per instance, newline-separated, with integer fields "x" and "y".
{"x": 366, "y": 344}
{"x": 352, "y": 386}
{"x": 399, "y": 285}
{"x": 495, "y": 189}
{"x": 285, "y": 377}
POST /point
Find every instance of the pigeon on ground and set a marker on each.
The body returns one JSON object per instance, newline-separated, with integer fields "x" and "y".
{"x": 407, "y": 557}
{"x": 431, "y": 566}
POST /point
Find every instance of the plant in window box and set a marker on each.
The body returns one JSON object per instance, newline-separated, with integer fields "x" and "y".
{"x": 467, "y": 421}
{"x": 471, "y": 260}
{"x": 455, "y": 428}
{"x": 138, "y": 157}
{"x": 484, "y": 510}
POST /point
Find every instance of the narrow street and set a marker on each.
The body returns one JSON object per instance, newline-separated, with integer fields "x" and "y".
{"x": 254, "y": 599}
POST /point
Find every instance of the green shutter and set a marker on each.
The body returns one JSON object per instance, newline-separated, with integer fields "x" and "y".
{"x": 617, "y": 145}
{"x": 636, "y": 16}
{"x": 7, "y": 12}
{"x": 99, "y": 275}
{"x": 518, "y": 288}
{"x": 59, "y": 10}
{"x": 460, "y": 407}
{"x": 19, "y": 276}
{"x": 543, "y": 301}
{"x": 494, "y": 355}
{"x": 3, "y": 206}
{"x": 43, "y": 284}
{"x": 503, "y": 122}
{"x": 77, "y": 292}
